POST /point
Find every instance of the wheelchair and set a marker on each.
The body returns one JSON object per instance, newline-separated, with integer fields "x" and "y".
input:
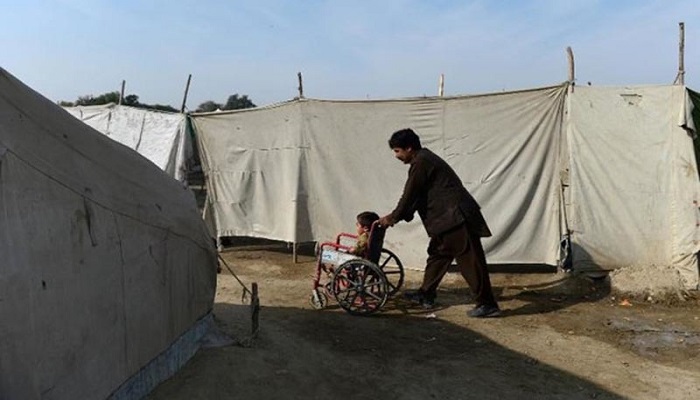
{"x": 361, "y": 285}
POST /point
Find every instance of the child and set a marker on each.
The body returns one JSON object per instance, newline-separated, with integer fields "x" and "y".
{"x": 364, "y": 224}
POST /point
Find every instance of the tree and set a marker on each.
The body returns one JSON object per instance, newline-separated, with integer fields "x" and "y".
{"x": 113, "y": 97}
{"x": 208, "y": 106}
{"x": 159, "y": 107}
{"x": 89, "y": 100}
{"x": 130, "y": 100}
{"x": 235, "y": 102}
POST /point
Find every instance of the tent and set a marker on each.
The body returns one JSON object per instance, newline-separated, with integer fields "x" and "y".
{"x": 162, "y": 137}
{"x": 609, "y": 170}
{"x": 633, "y": 179}
{"x": 107, "y": 275}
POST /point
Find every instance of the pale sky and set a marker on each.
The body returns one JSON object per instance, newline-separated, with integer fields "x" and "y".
{"x": 344, "y": 49}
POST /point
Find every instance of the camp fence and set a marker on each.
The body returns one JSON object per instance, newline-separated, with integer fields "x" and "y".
{"x": 610, "y": 171}
{"x": 107, "y": 271}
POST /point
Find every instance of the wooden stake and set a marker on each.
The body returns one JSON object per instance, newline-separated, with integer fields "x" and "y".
{"x": 254, "y": 311}
{"x": 441, "y": 85}
{"x": 572, "y": 75}
{"x": 680, "y": 78}
{"x": 301, "y": 86}
{"x": 121, "y": 94}
{"x": 187, "y": 89}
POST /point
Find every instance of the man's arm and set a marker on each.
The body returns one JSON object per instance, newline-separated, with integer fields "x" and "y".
{"x": 416, "y": 184}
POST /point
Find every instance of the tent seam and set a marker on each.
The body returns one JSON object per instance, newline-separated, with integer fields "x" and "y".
{"x": 98, "y": 202}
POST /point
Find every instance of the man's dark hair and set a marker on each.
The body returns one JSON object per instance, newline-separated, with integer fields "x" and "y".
{"x": 366, "y": 218}
{"x": 404, "y": 139}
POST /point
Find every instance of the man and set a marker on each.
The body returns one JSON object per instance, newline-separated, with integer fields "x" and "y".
{"x": 452, "y": 219}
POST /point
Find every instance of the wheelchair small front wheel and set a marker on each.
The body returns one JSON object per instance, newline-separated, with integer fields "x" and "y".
{"x": 318, "y": 299}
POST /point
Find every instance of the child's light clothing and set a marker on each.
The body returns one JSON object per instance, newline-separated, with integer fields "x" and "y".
{"x": 361, "y": 245}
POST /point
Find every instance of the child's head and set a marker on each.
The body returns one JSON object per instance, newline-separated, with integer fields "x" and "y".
{"x": 365, "y": 220}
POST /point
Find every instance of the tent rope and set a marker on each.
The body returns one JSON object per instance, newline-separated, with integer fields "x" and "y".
{"x": 254, "y": 304}
{"x": 245, "y": 288}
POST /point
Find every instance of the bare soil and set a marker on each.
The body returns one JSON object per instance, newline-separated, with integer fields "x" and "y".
{"x": 560, "y": 337}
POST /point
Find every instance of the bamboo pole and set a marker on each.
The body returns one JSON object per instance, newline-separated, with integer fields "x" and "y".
{"x": 187, "y": 89}
{"x": 301, "y": 86}
{"x": 572, "y": 75}
{"x": 680, "y": 78}
{"x": 121, "y": 93}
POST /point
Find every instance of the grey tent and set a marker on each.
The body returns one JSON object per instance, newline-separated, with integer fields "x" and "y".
{"x": 107, "y": 274}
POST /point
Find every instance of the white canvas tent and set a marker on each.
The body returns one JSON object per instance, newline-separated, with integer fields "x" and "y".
{"x": 300, "y": 171}
{"x": 161, "y": 137}
{"x": 107, "y": 272}
{"x": 633, "y": 179}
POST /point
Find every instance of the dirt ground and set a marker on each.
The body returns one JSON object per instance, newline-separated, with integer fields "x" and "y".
{"x": 560, "y": 337}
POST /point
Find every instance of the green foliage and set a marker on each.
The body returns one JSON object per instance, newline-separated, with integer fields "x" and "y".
{"x": 159, "y": 107}
{"x": 113, "y": 97}
{"x": 234, "y": 102}
{"x": 238, "y": 103}
{"x": 89, "y": 100}
{"x": 130, "y": 100}
{"x": 208, "y": 106}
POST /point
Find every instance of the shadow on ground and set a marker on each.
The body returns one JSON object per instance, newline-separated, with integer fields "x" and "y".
{"x": 309, "y": 354}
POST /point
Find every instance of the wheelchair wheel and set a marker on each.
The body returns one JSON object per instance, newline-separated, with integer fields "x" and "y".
{"x": 393, "y": 270}
{"x": 360, "y": 287}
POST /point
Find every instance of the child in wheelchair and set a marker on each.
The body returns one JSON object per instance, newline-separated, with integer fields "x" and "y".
{"x": 349, "y": 246}
{"x": 356, "y": 281}
{"x": 364, "y": 225}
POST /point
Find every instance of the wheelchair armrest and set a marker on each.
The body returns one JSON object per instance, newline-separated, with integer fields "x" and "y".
{"x": 346, "y": 235}
{"x": 335, "y": 246}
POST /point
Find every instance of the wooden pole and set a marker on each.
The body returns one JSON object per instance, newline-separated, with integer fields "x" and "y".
{"x": 572, "y": 75}
{"x": 441, "y": 85}
{"x": 680, "y": 79}
{"x": 301, "y": 86}
{"x": 187, "y": 89}
{"x": 254, "y": 311}
{"x": 121, "y": 93}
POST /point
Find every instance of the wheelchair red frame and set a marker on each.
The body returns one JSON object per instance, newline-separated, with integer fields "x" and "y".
{"x": 360, "y": 284}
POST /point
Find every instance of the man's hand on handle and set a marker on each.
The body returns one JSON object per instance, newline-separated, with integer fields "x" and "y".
{"x": 386, "y": 221}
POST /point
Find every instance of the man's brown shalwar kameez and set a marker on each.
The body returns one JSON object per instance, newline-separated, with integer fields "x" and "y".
{"x": 452, "y": 219}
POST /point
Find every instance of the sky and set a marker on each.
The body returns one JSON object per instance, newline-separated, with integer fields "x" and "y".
{"x": 344, "y": 49}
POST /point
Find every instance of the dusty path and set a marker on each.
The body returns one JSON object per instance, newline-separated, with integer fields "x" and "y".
{"x": 559, "y": 338}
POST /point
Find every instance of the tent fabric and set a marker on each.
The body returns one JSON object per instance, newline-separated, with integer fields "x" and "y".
{"x": 159, "y": 136}
{"x": 613, "y": 168}
{"x": 634, "y": 180}
{"x": 301, "y": 171}
{"x": 252, "y": 179}
{"x": 105, "y": 259}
